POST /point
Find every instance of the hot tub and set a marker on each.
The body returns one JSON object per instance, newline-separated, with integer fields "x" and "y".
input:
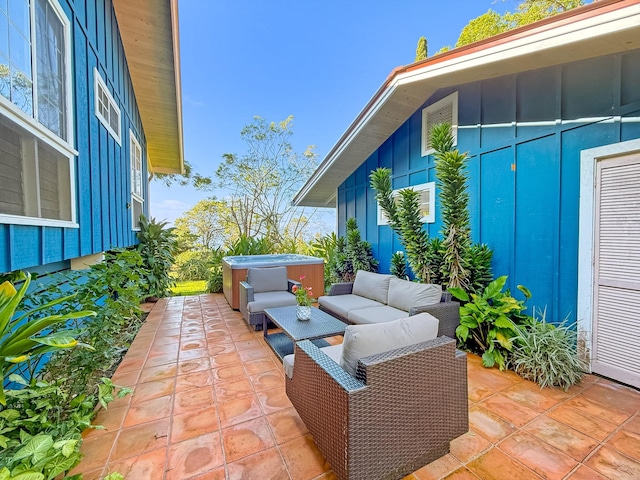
{"x": 234, "y": 270}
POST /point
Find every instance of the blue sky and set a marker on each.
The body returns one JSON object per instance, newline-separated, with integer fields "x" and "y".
{"x": 320, "y": 61}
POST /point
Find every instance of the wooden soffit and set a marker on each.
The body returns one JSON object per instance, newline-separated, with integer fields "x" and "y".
{"x": 149, "y": 31}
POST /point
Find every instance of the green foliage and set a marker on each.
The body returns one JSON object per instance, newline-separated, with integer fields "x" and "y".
{"x": 404, "y": 219}
{"x": 114, "y": 285}
{"x": 41, "y": 426}
{"x": 488, "y": 321}
{"x": 214, "y": 284}
{"x": 546, "y": 354}
{"x": 422, "y": 49}
{"x": 451, "y": 173}
{"x": 325, "y": 247}
{"x": 27, "y": 335}
{"x": 259, "y": 184}
{"x": 529, "y": 11}
{"x": 399, "y": 265}
{"x": 478, "y": 262}
{"x": 246, "y": 245}
{"x": 157, "y": 247}
{"x": 205, "y": 226}
{"x": 353, "y": 254}
{"x": 193, "y": 265}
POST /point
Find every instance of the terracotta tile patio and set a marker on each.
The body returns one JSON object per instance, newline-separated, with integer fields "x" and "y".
{"x": 209, "y": 404}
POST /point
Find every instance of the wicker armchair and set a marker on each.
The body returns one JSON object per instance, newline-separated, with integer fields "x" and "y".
{"x": 399, "y": 414}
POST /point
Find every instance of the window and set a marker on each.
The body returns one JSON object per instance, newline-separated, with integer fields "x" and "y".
{"x": 427, "y": 193}
{"x": 137, "y": 190}
{"x": 36, "y": 154}
{"x": 443, "y": 111}
{"x": 106, "y": 109}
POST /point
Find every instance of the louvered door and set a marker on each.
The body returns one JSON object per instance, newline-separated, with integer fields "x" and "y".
{"x": 616, "y": 327}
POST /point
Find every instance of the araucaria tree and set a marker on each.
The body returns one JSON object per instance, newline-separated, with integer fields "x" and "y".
{"x": 422, "y": 49}
{"x": 262, "y": 182}
{"x": 404, "y": 219}
{"x": 451, "y": 173}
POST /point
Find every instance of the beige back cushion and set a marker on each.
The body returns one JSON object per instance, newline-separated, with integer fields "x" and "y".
{"x": 364, "y": 340}
{"x": 267, "y": 279}
{"x": 404, "y": 294}
{"x": 374, "y": 286}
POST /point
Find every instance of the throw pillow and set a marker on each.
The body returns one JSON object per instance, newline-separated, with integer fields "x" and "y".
{"x": 369, "y": 339}
{"x": 267, "y": 279}
{"x": 404, "y": 294}
{"x": 374, "y": 286}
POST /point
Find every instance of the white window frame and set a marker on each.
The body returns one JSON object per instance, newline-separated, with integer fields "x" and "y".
{"x": 134, "y": 146}
{"x": 448, "y": 100}
{"x": 430, "y": 217}
{"x": 101, "y": 85}
{"x": 32, "y": 126}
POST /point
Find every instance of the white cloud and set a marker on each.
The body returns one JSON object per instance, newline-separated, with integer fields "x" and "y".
{"x": 168, "y": 210}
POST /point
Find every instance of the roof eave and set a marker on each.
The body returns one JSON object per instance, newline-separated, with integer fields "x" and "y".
{"x": 570, "y": 36}
{"x": 150, "y": 35}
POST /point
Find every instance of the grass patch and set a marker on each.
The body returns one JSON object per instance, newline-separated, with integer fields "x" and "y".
{"x": 193, "y": 287}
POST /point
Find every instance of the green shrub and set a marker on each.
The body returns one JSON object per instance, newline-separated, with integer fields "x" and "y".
{"x": 353, "y": 254}
{"x": 488, "y": 321}
{"x": 325, "y": 247}
{"x": 214, "y": 284}
{"x": 157, "y": 247}
{"x": 399, "y": 265}
{"x": 546, "y": 354}
{"x": 192, "y": 265}
{"x": 28, "y": 334}
{"x": 41, "y": 426}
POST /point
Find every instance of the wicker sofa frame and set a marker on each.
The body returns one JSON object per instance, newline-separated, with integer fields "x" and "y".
{"x": 255, "y": 319}
{"x": 447, "y": 311}
{"x": 400, "y": 412}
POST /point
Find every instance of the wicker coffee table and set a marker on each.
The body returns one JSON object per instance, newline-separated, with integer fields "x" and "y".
{"x": 321, "y": 325}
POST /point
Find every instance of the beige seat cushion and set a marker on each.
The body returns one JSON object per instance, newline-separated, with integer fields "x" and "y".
{"x": 270, "y": 300}
{"x": 343, "y": 304}
{"x": 405, "y": 295}
{"x": 267, "y": 279}
{"x": 364, "y": 340}
{"x": 379, "y": 314}
{"x": 372, "y": 285}
{"x": 333, "y": 351}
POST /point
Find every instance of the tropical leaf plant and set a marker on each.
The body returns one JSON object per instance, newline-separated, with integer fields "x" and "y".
{"x": 488, "y": 321}
{"x": 546, "y": 353}
{"x": 22, "y": 338}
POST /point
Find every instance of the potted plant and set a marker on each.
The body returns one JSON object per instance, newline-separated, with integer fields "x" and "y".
{"x": 304, "y": 298}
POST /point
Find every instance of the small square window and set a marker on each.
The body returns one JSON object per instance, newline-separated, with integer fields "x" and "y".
{"x": 443, "y": 111}
{"x": 106, "y": 108}
{"x": 427, "y": 193}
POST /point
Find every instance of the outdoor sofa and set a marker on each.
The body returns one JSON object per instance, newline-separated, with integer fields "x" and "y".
{"x": 377, "y": 298}
{"x": 265, "y": 287}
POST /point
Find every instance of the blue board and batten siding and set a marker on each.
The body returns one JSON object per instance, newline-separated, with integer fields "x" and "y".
{"x": 102, "y": 187}
{"x": 524, "y": 167}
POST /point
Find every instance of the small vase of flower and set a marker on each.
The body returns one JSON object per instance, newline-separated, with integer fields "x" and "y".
{"x": 304, "y": 297}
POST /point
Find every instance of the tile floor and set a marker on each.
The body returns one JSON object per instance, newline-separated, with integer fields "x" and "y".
{"x": 209, "y": 404}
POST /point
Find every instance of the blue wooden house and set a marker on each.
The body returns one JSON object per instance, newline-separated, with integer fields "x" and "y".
{"x": 89, "y": 107}
{"x": 550, "y": 117}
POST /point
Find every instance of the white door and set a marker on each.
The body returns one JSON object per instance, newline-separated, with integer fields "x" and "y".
{"x": 616, "y": 283}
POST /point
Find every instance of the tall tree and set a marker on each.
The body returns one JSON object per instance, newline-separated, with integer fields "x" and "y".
{"x": 421, "y": 50}
{"x": 262, "y": 182}
{"x": 529, "y": 11}
{"x": 204, "y": 225}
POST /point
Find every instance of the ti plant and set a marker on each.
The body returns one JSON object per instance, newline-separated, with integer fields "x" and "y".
{"x": 157, "y": 247}
{"x": 488, "y": 321}
{"x": 21, "y": 337}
